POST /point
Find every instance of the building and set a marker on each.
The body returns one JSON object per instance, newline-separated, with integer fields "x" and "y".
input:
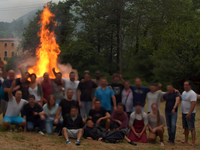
{"x": 8, "y": 48}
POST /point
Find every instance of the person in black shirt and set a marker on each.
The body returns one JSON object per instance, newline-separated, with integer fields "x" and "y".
{"x": 85, "y": 89}
{"x": 72, "y": 126}
{"x": 172, "y": 99}
{"x": 65, "y": 105}
{"x": 117, "y": 87}
{"x": 95, "y": 132}
{"x": 24, "y": 83}
{"x": 99, "y": 115}
{"x": 32, "y": 115}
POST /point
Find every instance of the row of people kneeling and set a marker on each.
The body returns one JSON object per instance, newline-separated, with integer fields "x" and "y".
{"x": 72, "y": 126}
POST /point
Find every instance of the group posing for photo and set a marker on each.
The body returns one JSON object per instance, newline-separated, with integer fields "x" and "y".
{"x": 95, "y": 109}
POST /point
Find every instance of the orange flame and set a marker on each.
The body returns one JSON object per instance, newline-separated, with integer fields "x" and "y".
{"x": 48, "y": 50}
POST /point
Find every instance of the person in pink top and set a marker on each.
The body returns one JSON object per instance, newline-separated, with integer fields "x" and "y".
{"x": 119, "y": 118}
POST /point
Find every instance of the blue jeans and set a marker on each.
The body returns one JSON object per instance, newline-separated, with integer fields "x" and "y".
{"x": 134, "y": 109}
{"x": 30, "y": 126}
{"x": 171, "y": 120}
{"x": 86, "y": 106}
{"x": 50, "y": 124}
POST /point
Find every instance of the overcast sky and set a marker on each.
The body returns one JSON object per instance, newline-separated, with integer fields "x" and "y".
{"x": 13, "y": 9}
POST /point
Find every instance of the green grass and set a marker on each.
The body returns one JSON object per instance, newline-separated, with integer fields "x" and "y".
{"x": 32, "y": 140}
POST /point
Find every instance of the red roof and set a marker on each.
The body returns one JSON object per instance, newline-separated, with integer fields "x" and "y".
{"x": 8, "y": 39}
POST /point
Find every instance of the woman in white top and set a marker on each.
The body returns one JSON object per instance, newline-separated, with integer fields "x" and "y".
{"x": 35, "y": 89}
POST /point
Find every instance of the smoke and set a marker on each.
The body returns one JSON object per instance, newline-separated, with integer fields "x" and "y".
{"x": 29, "y": 62}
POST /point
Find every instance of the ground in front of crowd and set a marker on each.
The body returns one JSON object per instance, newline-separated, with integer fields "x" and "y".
{"x": 32, "y": 140}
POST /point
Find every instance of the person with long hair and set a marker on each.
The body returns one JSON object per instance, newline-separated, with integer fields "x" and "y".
{"x": 156, "y": 124}
{"x": 50, "y": 109}
{"x": 35, "y": 89}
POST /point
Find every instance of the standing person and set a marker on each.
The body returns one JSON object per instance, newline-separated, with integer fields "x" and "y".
{"x": 50, "y": 109}
{"x": 156, "y": 124}
{"x": 24, "y": 83}
{"x": 188, "y": 105}
{"x": 46, "y": 87}
{"x": 117, "y": 87}
{"x": 65, "y": 106}
{"x": 153, "y": 96}
{"x": 85, "y": 94}
{"x": 99, "y": 115}
{"x": 127, "y": 98}
{"x": 97, "y": 79}
{"x": 33, "y": 116}
{"x": 139, "y": 93}
{"x": 119, "y": 118}
{"x": 104, "y": 94}
{"x": 15, "y": 104}
{"x": 72, "y": 126}
{"x": 6, "y": 86}
{"x": 138, "y": 123}
{"x": 36, "y": 89}
{"x": 71, "y": 84}
{"x": 172, "y": 99}
{"x": 58, "y": 86}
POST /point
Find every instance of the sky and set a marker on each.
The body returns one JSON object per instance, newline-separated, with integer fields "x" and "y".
{"x": 13, "y": 9}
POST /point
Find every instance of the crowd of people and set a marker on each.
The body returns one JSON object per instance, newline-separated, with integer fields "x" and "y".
{"x": 93, "y": 108}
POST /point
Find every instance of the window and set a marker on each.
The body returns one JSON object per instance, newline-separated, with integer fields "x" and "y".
{"x": 5, "y": 44}
{"x": 12, "y": 53}
{"x": 12, "y": 44}
{"x": 5, "y": 53}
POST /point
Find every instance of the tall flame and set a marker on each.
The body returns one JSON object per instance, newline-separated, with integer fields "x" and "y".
{"x": 48, "y": 50}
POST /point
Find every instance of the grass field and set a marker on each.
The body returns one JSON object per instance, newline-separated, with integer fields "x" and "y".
{"x": 32, "y": 140}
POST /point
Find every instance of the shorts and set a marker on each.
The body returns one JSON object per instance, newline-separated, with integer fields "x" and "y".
{"x": 72, "y": 133}
{"x": 13, "y": 120}
{"x": 189, "y": 123}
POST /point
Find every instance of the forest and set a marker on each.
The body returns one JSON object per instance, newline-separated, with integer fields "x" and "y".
{"x": 156, "y": 40}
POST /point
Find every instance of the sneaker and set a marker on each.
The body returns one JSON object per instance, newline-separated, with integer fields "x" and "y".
{"x": 77, "y": 143}
{"x": 132, "y": 143}
{"x": 41, "y": 133}
{"x": 68, "y": 142}
{"x": 162, "y": 144}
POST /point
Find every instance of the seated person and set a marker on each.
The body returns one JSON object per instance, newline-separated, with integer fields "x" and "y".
{"x": 15, "y": 104}
{"x": 99, "y": 115}
{"x": 119, "y": 118}
{"x": 65, "y": 106}
{"x": 156, "y": 124}
{"x": 72, "y": 126}
{"x": 138, "y": 124}
{"x": 95, "y": 132}
{"x": 32, "y": 114}
{"x": 50, "y": 109}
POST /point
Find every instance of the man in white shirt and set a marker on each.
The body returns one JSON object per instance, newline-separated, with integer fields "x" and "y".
{"x": 71, "y": 84}
{"x": 188, "y": 104}
{"x": 15, "y": 105}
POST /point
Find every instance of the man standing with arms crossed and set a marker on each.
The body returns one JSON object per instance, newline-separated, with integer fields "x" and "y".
{"x": 188, "y": 105}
